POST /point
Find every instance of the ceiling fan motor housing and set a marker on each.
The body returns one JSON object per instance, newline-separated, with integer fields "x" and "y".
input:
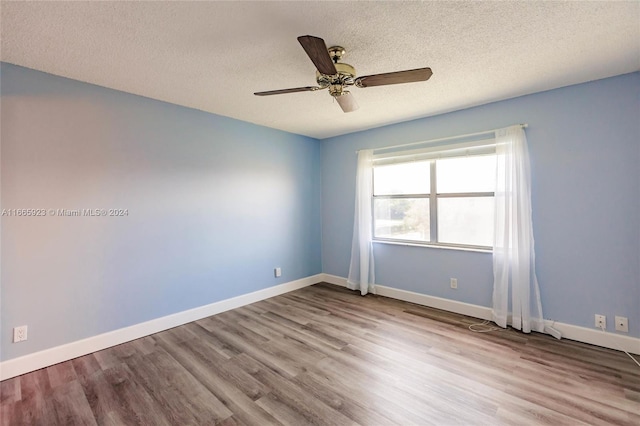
{"x": 345, "y": 76}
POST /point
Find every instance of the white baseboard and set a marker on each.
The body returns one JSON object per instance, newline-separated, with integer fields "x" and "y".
{"x": 449, "y": 305}
{"x": 596, "y": 337}
{"x": 334, "y": 279}
{"x": 572, "y": 332}
{"x": 24, "y": 364}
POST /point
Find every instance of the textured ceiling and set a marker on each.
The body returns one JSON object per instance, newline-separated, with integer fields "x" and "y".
{"x": 212, "y": 56}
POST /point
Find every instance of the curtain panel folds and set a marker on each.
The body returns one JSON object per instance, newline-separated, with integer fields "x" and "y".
{"x": 361, "y": 270}
{"x": 513, "y": 251}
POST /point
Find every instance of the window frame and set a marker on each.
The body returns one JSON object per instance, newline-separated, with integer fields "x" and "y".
{"x": 478, "y": 148}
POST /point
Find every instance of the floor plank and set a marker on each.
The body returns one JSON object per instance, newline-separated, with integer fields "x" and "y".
{"x": 324, "y": 355}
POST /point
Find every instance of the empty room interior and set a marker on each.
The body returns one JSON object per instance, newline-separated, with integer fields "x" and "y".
{"x": 320, "y": 213}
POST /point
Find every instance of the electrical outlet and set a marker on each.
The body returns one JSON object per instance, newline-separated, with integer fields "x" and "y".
{"x": 622, "y": 324}
{"x": 454, "y": 282}
{"x": 601, "y": 321}
{"x": 277, "y": 272}
{"x": 20, "y": 334}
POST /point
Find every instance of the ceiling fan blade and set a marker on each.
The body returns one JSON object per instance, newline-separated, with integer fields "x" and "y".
{"x": 409, "y": 76}
{"x": 282, "y": 91}
{"x": 318, "y": 53}
{"x": 347, "y": 102}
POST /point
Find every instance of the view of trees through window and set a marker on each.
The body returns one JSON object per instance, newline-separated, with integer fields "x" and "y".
{"x": 402, "y": 218}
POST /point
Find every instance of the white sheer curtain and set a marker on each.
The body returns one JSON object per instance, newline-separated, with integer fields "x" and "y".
{"x": 513, "y": 251}
{"x": 361, "y": 270}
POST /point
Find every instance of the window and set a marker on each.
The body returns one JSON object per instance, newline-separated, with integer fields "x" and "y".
{"x": 436, "y": 197}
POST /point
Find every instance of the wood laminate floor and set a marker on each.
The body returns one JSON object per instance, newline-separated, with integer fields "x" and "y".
{"x": 325, "y": 355}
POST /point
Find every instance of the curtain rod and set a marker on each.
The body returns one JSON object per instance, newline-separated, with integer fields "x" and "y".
{"x": 468, "y": 135}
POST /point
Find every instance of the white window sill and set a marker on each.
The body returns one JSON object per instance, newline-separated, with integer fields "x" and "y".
{"x": 436, "y": 246}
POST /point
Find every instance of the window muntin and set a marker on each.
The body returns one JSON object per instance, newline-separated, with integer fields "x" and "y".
{"x": 441, "y": 201}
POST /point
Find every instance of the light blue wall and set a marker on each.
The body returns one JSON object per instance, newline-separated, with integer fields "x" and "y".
{"x": 584, "y": 143}
{"x": 214, "y": 205}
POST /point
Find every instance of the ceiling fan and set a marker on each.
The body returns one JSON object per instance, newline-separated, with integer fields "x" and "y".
{"x": 338, "y": 75}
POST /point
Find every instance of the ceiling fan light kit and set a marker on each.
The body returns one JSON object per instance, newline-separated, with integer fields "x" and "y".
{"x": 346, "y": 101}
{"x": 336, "y": 75}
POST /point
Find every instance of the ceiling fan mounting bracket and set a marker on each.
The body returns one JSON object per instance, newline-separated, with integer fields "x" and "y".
{"x": 336, "y": 53}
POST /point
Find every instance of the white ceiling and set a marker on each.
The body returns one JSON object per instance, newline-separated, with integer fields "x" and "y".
{"x": 212, "y": 56}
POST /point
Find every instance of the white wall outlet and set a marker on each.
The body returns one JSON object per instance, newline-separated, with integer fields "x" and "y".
{"x": 601, "y": 321}
{"x": 277, "y": 272}
{"x": 622, "y": 324}
{"x": 454, "y": 282}
{"x": 20, "y": 334}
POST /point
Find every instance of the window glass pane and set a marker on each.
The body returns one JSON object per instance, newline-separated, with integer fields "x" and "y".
{"x": 466, "y": 220}
{"x": 404, "y": 178}
{"x": 466, "y": 174}
{"x": 402, "y": 218}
